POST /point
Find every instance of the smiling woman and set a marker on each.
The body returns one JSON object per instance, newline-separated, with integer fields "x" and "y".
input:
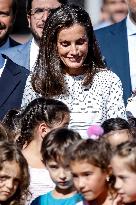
{"x": 70, "y": 68}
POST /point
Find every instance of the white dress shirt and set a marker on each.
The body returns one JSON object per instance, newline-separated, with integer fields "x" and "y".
{"x": 34, "y": 50}
{"x": 1, "y": 69}
{"x": 131, "y": 34}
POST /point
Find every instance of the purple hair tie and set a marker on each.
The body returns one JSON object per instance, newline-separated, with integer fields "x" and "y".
{"x": 95, "y": 131}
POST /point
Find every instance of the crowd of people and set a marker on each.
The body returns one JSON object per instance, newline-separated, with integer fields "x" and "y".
{"x": 68, "y": 123}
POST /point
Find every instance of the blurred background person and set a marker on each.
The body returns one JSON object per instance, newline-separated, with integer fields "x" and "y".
{"x": 112, "y": 11}
{"x": 118, "y": 46}
{"x": 8, "y": 9}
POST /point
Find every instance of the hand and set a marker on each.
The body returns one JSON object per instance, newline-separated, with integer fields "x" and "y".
{"x": 117, "y": 200}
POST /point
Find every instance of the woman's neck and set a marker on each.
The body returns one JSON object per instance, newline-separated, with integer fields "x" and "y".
{"x": 75, "y": 72}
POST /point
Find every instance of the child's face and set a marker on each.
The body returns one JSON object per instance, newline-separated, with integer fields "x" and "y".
{"x": 125, "y": 179}
{"x": 117, "y": 137}
{"x": 60, "y": 174}
{"x": 9, "y": 179}
{"x": 88, "y": 179}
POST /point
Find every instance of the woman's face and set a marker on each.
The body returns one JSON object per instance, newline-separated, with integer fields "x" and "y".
{"x": 72, "y": 45}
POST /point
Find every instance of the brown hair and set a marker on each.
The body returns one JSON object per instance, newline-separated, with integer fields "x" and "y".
{"x": 50, "y": 111}
{"x": 97, "y": 153}
{"x": 56, "y": 143}
{"x": 127, "y": 151}
{"x": 10, "y": 152}
{"x": 4, "y": 135}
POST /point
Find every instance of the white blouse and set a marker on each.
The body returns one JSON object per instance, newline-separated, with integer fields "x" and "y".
{"x": 40, "y": 183}
{"x": 88, "y": 104}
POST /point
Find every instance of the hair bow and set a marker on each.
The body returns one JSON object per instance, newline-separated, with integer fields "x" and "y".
{"x": 95, "y": 131}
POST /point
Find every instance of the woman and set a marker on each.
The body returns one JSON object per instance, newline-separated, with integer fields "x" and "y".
{"x": 70, "y": 68}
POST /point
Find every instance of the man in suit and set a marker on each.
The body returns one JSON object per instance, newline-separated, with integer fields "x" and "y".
{"x": 8, "y": 9}
{"x": 115, "y": 11}
{"x": 19, "y": 61}
{"x": 118, "y": 45}
{"x": 37, "y": 13}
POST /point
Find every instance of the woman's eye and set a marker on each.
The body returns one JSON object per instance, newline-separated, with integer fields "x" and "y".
{"x": 65, "y": 44}
{"x": 81, "y": 41}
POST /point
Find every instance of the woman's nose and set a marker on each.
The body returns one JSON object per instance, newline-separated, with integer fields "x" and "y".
{"x": 73, "y": 49}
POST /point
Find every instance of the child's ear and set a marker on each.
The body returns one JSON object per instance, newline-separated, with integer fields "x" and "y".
{"x": 43, "y": 130}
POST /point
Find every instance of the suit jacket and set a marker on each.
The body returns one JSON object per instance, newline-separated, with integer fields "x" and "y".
{"x": 14, "y": 76}
{"x": 19, "y": 54}
{"x": 114, "y": 47}
{"x": 12, "y": 84}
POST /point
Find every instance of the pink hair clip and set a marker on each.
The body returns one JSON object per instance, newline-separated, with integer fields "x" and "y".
{"x": 95, "y": 131}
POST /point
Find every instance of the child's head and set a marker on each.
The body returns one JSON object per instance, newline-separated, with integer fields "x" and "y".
{"x": 14, "y": 175}
{"x": 41, "y": 116}
{"x": 4, "y": 135}
{"x": 12, "y": 122}
{"x": 123, "y": 163}
{"x": 54, "y": 147}
{"x": 116, "y": 131}
{"x": 89, "y": 161}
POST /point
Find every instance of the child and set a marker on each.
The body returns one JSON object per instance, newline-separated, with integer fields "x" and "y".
{"x": 53, "y": 151}
{"x": 12, "y": 122}
{"x": 3, "y": 133}
{"x": 123, "y": 163}
{"x": 39, "y": 117}
{"x": 14, "y": 175}
{"x": 89, "y": 161}
{"x": 116, "y": 131}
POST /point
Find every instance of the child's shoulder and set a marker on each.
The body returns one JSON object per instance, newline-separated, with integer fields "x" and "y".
{"x": 40, "y": 200}
{"x": 77, "y": 199}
